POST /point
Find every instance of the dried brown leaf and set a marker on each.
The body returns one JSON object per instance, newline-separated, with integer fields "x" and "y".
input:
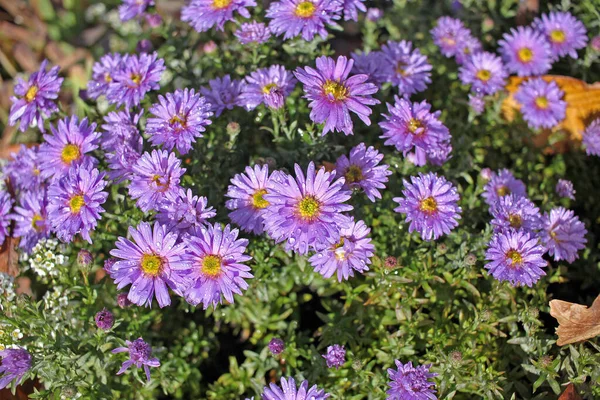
{"x": 9, "y": 257}
{"x": 570, "y": 393}
{"x": 576, "y": 322}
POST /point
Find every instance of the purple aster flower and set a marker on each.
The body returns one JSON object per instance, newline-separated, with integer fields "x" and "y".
{"x": 155, "y": 175}
{"x": 477, "y": 103}
{"x": 591, "y": 138}
{"x": 122, "y": 300}
{"x": 289, "y": 391}
{"x": 180, "y": 118}
{"x": 411, "y": 383}
{"x": 122, "y": 161}
{"x": 30, "y": 218}
{"x": 525, "y": 52}
{"x": 253, "y": 32}
{"x": 140, "y": 354}
{"x": 223, "y": 93}
{"x": 150, "y": 263}
{"x": 270, "y": 86}
{"x": 84, "y": 258}
{"x": 333, "y": 94}
{"x": 486, "y": 174}
{"x": 466, "y": 48}
{"x": 303, "y": 17}
{"x": 413, "y": 126}
{"x": 104, "y": 319}
{"x": 362, "y": 172}
{"x": 335, "y": 356}
{"x": 563, "y": 234}
{"x": 185, "y": 212}
{"x": 24, "y": 169}
{"x": 502, "y": 184}
{"x": 74, "y": 203}
{"x": 202, "y": 15}
{"x": 133, "y": 8}
{"x": 351, "y": 8}
{"x": 137, "y": 75}
{"x": 247, "y": 198}
{"x": 436, "y": 156}
{"x": 515, "y": 212}
{"x": 306, "y": 211}
{"x": 447, "y": 35}
{"x": 374, "y": 14}
{"x": 67, "y": 147}
{"x": 351, "y": 252}
{"x": 515, "y": 256}
{"x": 102, "y": 74}
{"x": 276, "y": 346}
{"x": 564, "y": 188}
{"x": 542, "y": 103}
{"x": 154, "y": 20}
{"x": 121, "y": 127}
{"x": 484, "y": 72}
{"x": 370, "y": 64}
{"x": 34, "y": 100}
{"x": 5, "y": 205}
{"x": 15, "y": 364}
{"x": 216, "y": 258}
{"x": 430, "y": 204}
{"x": 565, "y": 33}
{"x": 406, "y": 67}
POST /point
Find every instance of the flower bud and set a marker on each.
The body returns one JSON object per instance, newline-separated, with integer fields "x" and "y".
{"x": 104, "y": 319}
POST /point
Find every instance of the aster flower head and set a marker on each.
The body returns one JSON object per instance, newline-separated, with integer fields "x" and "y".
{"x": 253, "y": 32}
{"x": 431, "y": 206}
{"x": 216, "y": 258}
{"x": 15, "y": 364}
{"x": 24, "y": 169}
{"x": 525, "y": 52}
{"x": 223, "y": 93}
{"x": 133, "y": 8}
{"x": 276, "y": 346}
{"x": 5, "y": 205}
{"x": 412, "y": 126}
{"x": 502, "y": 184}
{"x": 542, "y": 103}
{"x": 102, "y": 74}
{"x": 247, "y": 191}
{"x": 370, "y": 64}
{"x": 563, "y": 234}
{"x": 184, "y": 212}
{"x": 565, "y": 33}
{"x": 104, "y": 319}
{"x": 289, "y": 391}
{"x": 67, "y": 147}
{"x": 362, "y": 171}
{"x": 351, "y": 8}
{"x": 406, "y": 67}
{"x": 476, "y": 103}
{"x": 374, "y": 14}
{"x": 202, "y": 15}
{"x": 333, "y": 94}
{"x": 122, "y": 161}
{"x": 270, "y": 86}
{"x": 155, "y": 175}
{"x": 466, "y": 48}
{"x": 484, "y": 72}
{"x": 120, "y": 128}
{"x": 30, "y": 218}
{"x": 411, "y": 383}
{"x": 564, "y": 188}
{"x": 447, "y": 35}
{"x": 34, "y": 100}
{"x": 152, "y": 262}
{"x": 591, "y": 138}
{"x": 515, "y": 212}
{"x": 179, "y": 118}
{"x": 515, "y": 256}
{"x": 306, "y": 211}
{"x": 74, "y": 203}
{"x": 351, "y": 253}
{"x": 335, "y": 356}
{"x": 303, "y": 17}
{"x": 140, "y": 355}
{"x": 137, "y": 75}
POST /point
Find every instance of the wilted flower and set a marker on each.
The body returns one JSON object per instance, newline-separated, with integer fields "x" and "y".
{"x": 104, "y": 319}
{"x": 335, "y": 356}
{"x": 140, "y": 355}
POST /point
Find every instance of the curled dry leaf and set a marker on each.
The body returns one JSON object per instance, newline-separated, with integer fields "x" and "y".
{"x": 570, "y": 393}
{"x": 576, "y": 322}
{"x": 9, "y": 257}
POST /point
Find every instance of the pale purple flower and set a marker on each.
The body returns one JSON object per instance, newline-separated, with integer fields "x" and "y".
{"x": 223, "y": 93}
{"x": 133, "y": 8}
{"x": 335, "y": 356}
{"x": 563, "y": 234}
{"x": 564, "y": 188}
{"x": 351, "y": 9}
{"x": 406, "y": 67}
{"x": 269, "y": 86}
{"x": 23, "y": 169}
{"x": 525, "y": 52}
{"x": 591, "y": 138}
{"x": 370, "y": 64}
{"x": 484, "y": 72}
{"x": 303, "y": 17}
{"x": 15, "y": 364}
{"x": 374, "y": 14}
{"x": 289, "y": 391}
{"x": 120, "y": 128}
{"x": 103, "y": 71}
{"x": 477, "y": 103}
{"x": 502, "y": 184}
{"x": 253, "y": 32}
{"x": 466, "y": 48}
{"x": 515, "y": 212}
{"x": 6, "y": 204}
{"x": 30, "y": 218}
{"x": 448, "y": 33}
{"x": 184, "y": 212}
{"x": 542, "y": 103}
{"x": 140, "y": 355}
{"x": 411, "y": 383}
{"x": 565, "y": 33}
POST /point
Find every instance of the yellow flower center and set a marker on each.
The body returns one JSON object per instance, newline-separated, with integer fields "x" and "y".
{"x": 107, "y": 77}
{"x": 220, "y": 4}
{"x": 449, "y": 41}
{"x": 306, "y": 9}
{"x": 338, "y": 249}
{"x": 162, "y": 187}
{"x": 76, "y": 203}
{"x": 268, "y": 88}
{"x": 152, "y": 264}
{"x": 335, "y": 89}
{"x": 136, "y": 78}
{"x": 557, "y": 36}
{"x": 353, "y": 174}
{"x": 428, "y": 205}
{"x": 31, "y": 92}
{"x": 515, "y": 257}
{"x": 34, "y": 222}
{"x": 176, "y": 119}
{"x": 515, "y": 221}
{"x": 541, "y": 102}
{"x": 484, "y": 75}
{"x": 525, "y": 55}
{"x": 400, "y": 68}
{"x": 502, "y": 190}
{"x": 257, "y": 199}
{"x": 309, "y": 208}
{"x": 414, "y": 125}
{"x": 70, "y": 153}
{"x": 36, "y": 171}
{"x": 211, "y": 266}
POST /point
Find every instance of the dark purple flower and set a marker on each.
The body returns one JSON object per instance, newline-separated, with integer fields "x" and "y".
{"x": 303, "y": 17}
{"x": 140, "y": 355}
{"x": 123, "y": 301}
{"x": 484, "y": 72}
{"x": 102, "y": 74}
{"x": 370, "y": 64}
{"x": 447, "y": 34}
{"x": 411, "y": 383}
{"x": 144, "y": 46}
{"x": 30, "y": 218}
{"x": 270, "y": 86}
{"x": 564, "y": 188}
{"x": 289, "y": 391}
{"x": 430, "y": 204}
{"x": 350, "y": 9}
{"x": 335, "y": 356}
{"x": 591, "y": 138}
{"x": 515, "y": 212}
{"x": 374, "y": 14}
{"x": 24, "y": 169}
{"x": 563, "y": 234}
{"x": 253, "y": 32}
{"x": 84, "y": 258}
{"x": 276, "y": 346}
{"x": 333, "y": 94}
{"x": 502, "y": 184}
{"x": 133, "y": 8}
{"x": 362, "y": 171}
{"x": 525, "y": 52}
{"x": 6, "y": 203}
{"x": 542, "y": 103}
{"x": 15, "y": 364}
{"x": 184, "y": 212}
{"x": 406, "y": 67}
{"x": 516, "y": 257}
{"x": 202, "y": 15}
{"x": 34, "y": 100}
{"x": 565, "y": 33}
{"x": 104, "y": 319}
{"x": 223, "y": 93}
